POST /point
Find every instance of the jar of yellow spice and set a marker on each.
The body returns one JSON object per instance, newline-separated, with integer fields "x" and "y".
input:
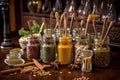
{"x": 65, "y": 50}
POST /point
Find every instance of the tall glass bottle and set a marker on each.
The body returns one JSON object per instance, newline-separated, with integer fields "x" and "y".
{"x": 67, "y": 5}
{"x": 46, "y": 7}
{"x": 111, "y": 12}
{"x": 80, "y": 9}
{"x": 95, "y": 13}
{"x": 72, "y": 8}
{"x": 107, "y": 9}
{"x": 58, "y": 6}
{"x": 86, "y": 10}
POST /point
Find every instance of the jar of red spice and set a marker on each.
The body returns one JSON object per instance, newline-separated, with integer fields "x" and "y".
{"x": 33, "y": 47}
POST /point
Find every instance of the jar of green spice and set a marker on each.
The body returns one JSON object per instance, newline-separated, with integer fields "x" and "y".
{"x": 48, "y": 49}
{"x": 101, "y": 57}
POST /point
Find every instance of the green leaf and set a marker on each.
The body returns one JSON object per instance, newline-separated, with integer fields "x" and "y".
{"x": 41, "y": 30}
{"x": 35, "y": 27}
{"x": 23, "y": 32}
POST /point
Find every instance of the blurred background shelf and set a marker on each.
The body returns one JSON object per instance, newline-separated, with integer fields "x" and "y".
{"x": 21, "y": 15}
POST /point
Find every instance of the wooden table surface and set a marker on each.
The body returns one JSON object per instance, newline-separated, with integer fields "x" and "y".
{"x": 65, "y": 73}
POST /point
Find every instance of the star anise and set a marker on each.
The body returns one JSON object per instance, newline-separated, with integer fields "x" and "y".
{"x": 74, "y": 66}
{"x": 55, "y": 64}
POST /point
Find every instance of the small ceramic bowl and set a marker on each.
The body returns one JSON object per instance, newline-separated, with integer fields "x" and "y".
{"x": 13, "y": 59}
{"x": 23, "y": 42}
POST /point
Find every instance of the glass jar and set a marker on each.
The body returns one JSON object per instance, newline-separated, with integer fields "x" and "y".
{"x": 107, "y": 9}
{"x": 72, "y": 7}
{"x": 33, "y": 47}
{"x": 65, "y": 50}
{"x": 46, "y": 7}
{"x": 101, "y": 56}
{"x": 66, "y": 5}
{"x": 86, "y": 60}
{"x": 80, "y": 9}
{"x": 95, "y": 13}
{"x": 14, "y": 59}
{"x": 48, "y": 50}
{"x": 34, "y": 5}
{"x": 86, "y": 11}
{"x": 80, "y": 46}
{"x": 58, "y": 7}
{"x": 57, "y": 35}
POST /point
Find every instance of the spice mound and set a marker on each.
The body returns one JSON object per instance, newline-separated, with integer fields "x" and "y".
{"x": 14, "y": 61}
{"x": 35, "y": 71}
{"x": 81, "y": 78}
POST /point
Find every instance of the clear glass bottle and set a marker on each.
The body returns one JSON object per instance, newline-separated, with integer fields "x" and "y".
{"x": 80, "y": 9}
{"x": 65, "y": 50}
{"x": 107, "y": 9}
{"x": 33, "y": 48}
{"x": 48, "y": 54}
{"x": 34, "y": 5}
{"x": 67, "y": 5}
{"x": 46, "y": 7}
{"x": 86, "y": 60}
{"x": 111, "y": 12}
{"x": 58, "y": 6}
{"x": 86, "y": 10}
{"x": 101, "y": 56}
{"x": 95, "y": 13}
{"x": 72, "y": 8}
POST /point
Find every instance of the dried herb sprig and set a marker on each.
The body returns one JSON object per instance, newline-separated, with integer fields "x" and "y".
{"x": 74, "y": 66}
{"x": 55, "y": 64}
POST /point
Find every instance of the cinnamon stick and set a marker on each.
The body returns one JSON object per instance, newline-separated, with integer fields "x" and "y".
{"x": 8, "y": 71}
{"x": 65, "y": 22}
{"x": 29, "y": 25}
{"x": 76, "y": 23}
{"x": 94, "y": 27}
{"x": 51, "y": 19}
{"x": 61, "y": 18}
{"x": 71, "y": 23}
{"x": 104, "y": 25}
{"x": 110, "y": 25}
{"x": 82, "y": 23}
{"x": 57, "y": 20}
{"x": 38, "y": 64}
{"x": 87, "y": 24}
{"x": 22, "y": 65}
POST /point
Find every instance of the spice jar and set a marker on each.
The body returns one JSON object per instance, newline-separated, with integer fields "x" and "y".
{"x": 33, "y": 47}
{"x": 86, "y": 60}
{"x": 101, "y": 56}
{"x": 65, "y": 50}
{"x": 58, "y": 33}
{"x": 81, "y": 44}
{"x": 48, "y": 50}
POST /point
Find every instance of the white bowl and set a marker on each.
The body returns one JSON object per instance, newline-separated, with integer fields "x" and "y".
{"x": 23, "y": 42}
